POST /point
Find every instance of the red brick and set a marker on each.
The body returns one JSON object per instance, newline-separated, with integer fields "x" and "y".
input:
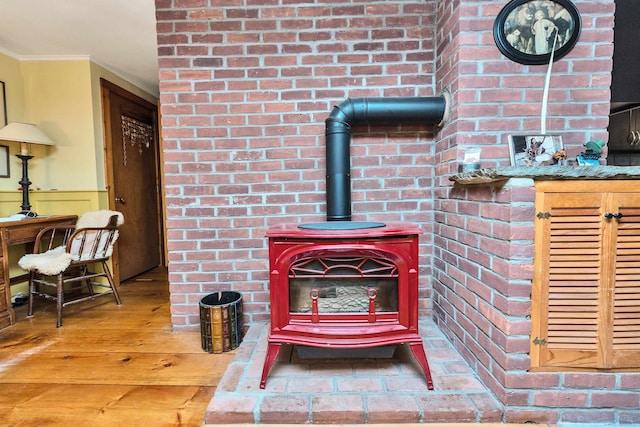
{"x": 447, "y": 408}
{"x": 631, "y": 417}
{"x": 232, "y": 409}
{"x": 488, "y": 407}
{"x": 388, "y": 408}
{"x": 359, "y": 384}
{"x": 453, "y": 382}
{"x": 305, "y": 384}
{"x": 532, "y": 380}
{"x": 529, "y": 416}
{"x": 589, "y": 416}
{"x": 589, "y": 380}
{"x": 275, "y": 409}
{"x": 560, "y": 399}
{"x": 630, "y": 380}
{"x": 615, "y": 400}
{"x": 338, "y": 409}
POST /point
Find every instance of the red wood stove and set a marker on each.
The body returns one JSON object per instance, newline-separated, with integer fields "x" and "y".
{"x": 354, "y": 285}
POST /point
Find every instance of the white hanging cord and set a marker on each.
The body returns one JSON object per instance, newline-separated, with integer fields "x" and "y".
{"x": 545, "y": 95}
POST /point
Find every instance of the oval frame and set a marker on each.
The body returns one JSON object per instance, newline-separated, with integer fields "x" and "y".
{"x": 515, "y": 20}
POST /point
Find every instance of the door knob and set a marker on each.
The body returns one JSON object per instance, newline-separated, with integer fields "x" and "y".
{"x": 120, "y": 200}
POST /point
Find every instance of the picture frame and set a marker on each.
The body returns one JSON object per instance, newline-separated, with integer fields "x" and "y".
{"x": 4, "y": 162}
{"x": 3, "y": 106}
{"x": 534, "y": 150}
{"x": 525, "y": 30}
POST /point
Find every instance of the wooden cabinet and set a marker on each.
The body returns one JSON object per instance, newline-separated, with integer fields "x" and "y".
{"x": 586, "y": 287}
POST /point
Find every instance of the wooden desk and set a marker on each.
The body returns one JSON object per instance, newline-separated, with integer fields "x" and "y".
{"x": 17, "y": 233}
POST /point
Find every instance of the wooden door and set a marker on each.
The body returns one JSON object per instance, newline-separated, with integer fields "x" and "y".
{"x": 566, "y": 288}
{"x": 625, "y": 302}
{"x": 586, "y": 288}
{"x": 132, "y": 161}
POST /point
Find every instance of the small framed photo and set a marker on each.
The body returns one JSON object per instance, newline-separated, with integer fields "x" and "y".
{"x": 534, "y": 150}
{"x": 4, "y": 161}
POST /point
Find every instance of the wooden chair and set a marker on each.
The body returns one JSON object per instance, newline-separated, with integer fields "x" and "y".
{"x": 63, "y": 255}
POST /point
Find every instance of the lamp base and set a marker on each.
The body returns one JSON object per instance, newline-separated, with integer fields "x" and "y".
{"x": 24, "y": 184}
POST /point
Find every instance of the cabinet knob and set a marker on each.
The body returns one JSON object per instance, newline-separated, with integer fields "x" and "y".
{"x": 610, "y": 215}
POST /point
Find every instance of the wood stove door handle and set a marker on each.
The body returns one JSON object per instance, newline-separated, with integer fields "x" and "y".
{"x": 372, "y": 294}
{"x": 314, "y": 294}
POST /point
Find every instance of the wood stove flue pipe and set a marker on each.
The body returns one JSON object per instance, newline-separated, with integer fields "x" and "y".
{"x": 425, "y": 110}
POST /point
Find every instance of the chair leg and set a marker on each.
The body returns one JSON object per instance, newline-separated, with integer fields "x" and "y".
{"x": 59, "y": 298}
{"x": 32, "y": 290}
{"x": 85, "y": 270}
{"x": 107, "y": 272}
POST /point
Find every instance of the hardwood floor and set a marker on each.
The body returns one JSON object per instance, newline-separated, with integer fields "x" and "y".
{"x": 107, "y": 365}
{"x": 110, "y": 366}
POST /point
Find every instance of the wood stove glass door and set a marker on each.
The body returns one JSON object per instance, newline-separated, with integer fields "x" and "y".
{"x": 322, "y": 286}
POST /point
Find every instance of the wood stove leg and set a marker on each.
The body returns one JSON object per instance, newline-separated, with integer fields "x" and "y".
{"x": 272, "y": 354}
{"x": 421, "y": 357}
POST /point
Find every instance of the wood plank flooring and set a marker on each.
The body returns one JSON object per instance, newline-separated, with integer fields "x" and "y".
{"x": 110, "y": 366}
{"x": 107, "y": 365}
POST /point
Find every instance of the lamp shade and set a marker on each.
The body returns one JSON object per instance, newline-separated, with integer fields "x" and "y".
{"x": 24, "y": 132}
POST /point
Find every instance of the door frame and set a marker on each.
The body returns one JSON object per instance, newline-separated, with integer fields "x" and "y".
{"x": 106, "y": 89}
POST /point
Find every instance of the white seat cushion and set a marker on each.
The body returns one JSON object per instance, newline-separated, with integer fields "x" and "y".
{"x": 51, "y": 262}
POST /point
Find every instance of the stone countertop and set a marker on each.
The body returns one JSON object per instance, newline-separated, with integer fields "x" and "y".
{"x": 489, "y": 175}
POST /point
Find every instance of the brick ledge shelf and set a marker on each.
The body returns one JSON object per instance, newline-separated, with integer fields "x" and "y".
{"x": 490, "y": 175}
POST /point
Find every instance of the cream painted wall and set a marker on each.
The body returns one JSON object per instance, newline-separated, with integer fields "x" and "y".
{"x": 53, "y": 202}
{"x": 10, "y": 74}
{"x": 58, "y": 98}
{"x": 63, "y": 98}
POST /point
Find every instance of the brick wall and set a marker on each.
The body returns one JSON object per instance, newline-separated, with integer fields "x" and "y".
{"x": 483, "y": 235}
{"x": 245, "y": 89}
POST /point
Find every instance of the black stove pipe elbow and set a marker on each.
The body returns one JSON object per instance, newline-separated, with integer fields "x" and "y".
{"x": 425, "y": 110}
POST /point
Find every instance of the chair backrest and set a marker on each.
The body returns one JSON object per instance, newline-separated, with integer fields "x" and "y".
{"x": 99, "y": 218}
{"x": 90, "y": 240}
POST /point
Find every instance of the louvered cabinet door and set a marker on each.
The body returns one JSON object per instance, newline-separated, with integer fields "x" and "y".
{"x": 625, "y": 307}
{"x": 586, "y": 287}
{"x": 566, "y": 294}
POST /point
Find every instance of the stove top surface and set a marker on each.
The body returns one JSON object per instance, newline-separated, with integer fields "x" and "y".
{"x": 341, "y": 225}
{"x": 341, "y": 230}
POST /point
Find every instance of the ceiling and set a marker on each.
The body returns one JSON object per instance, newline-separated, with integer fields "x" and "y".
{"x": 119, "y": 35}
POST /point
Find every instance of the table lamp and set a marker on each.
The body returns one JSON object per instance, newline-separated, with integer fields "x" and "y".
{"x": 25, "y": 133}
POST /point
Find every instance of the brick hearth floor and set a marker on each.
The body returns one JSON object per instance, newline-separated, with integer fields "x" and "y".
{"x": 353, "y": 391}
